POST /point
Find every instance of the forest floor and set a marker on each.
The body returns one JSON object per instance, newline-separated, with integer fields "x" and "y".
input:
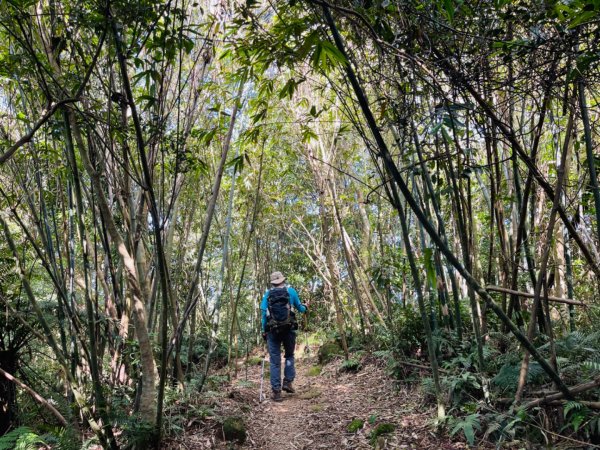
{"x": 318, "y": 414}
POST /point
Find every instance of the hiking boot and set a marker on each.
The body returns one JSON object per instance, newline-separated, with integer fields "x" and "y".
{"x": 287, "y": 387}
{"x": 277, "y": 396}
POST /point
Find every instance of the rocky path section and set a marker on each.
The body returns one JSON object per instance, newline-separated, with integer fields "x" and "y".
{"x": 331, "y": 409}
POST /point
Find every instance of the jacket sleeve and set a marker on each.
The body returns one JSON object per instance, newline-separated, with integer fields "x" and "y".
{"x": 295, "y": 300}
{"x": 263, "y": 310}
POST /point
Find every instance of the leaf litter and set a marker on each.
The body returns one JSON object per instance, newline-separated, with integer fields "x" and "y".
{"x": 318, "y": 414}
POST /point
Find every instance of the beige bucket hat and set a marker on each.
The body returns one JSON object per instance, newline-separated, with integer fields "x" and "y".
{"x": 277, "y": 278}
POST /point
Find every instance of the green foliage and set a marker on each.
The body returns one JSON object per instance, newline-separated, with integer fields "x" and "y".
{"x": 406, "y": 336}
{"x": 255, "y": 360}
{"x": 234, "y": 429}
{"x": 245, "y": 383}
{"x": 577, "y": 345}
{"x": 314, "y": 371}
{"x": 507, "y": 378}
{"x": 468, "y": 425}
{"x": 22, "y": 438}
{"x": 326, "y": 56}
{"x": 428, "y": 388}
{"x": 462, "y": 387}
{"x": 63, "y": 439}
{"x": 138, "y": 434}
{"x": 381, "y": 429}
{"x": 351, "y": 365}
{"x": 578, "y": 417}
{"x": 355, "y": 425}
{"x": 575, "y": 350}
{"x": 328, "y": 351}
{"x": 214, "y": 382}
{"x": 593, "y": 365}
{"x": 502, "y": 426}
{"x": 575, "y": 413}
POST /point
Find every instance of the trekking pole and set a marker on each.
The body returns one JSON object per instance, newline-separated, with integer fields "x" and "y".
{"x": 261, "y": 396}
{"x": 262, "y": 379}
{"x": 306, "y": 346}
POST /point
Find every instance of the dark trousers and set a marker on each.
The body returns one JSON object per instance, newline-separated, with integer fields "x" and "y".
{"x": 274, "y": 341}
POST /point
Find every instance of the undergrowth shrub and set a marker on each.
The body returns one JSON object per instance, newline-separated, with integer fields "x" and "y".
{"x": 22, "y": 438}
{"x": 351, "y": 365}
{"x": 468, "y": 425}
{"x": 195, "y": 355}
{"x": 137, "y": 434}
{"x": 407, "y": 334}
{"x": 508, "y": 377}
{"x": 463, "y": 382}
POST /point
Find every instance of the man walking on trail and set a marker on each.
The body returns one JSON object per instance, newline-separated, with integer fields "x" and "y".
{"x": 279, "y": 327}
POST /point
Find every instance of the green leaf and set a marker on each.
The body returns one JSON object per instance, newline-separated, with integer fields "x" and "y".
{"x": 468, "y": 425}
{"x": 308, "y": 45}
{"x": 429, "y": 266}
{"x": 288, "y": 89}
{"x": 585, "y": 16}
{"x": 22, "y": 438}
{"x": 449, "y": 9}
{"x": 446, "y": 136}
{"x": 308, "y": 134}
{"x": 188, "y": 44}
{"x": 571, "y": 405}
{"x": 149, "y": 99}
{"x": 237, "y": 163}
{"x": 326, "y": 56}
{"x": 138, "y": 76}
{"x": 23, "y": 4}
{"x": 260, "y": 115}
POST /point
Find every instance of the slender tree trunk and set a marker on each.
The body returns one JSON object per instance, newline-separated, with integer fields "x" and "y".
{"x": 192, "y": 298}
{"x": 147, "y": 408}
{"x": 246, "y": 253}
{"x": 541, "y": 278}
{"x": 589, "y": 151}
{"x": 216, "y": 314}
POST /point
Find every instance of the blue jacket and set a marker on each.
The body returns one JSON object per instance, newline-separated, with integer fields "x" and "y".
{"x": 294, "y": 301}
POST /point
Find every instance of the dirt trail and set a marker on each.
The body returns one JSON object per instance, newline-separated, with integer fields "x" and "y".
{"x": 318, "y": 414}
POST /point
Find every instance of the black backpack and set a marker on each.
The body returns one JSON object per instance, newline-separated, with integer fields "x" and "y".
{"x": 279, "y": 314}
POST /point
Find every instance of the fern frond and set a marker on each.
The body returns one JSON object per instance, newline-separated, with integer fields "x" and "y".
{"x": 22, "y": 438}
{"x": 572, "y": 406}
{"x": 382, "y": 354}
{"x": 508, "y": 375}
{"x": 492, "y": 428}
{"x": 593, "y": 364}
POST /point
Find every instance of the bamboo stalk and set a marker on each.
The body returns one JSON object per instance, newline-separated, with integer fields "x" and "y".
{"x": 559, "y": 395}
{"x": 567, "y": 301}
{"x": 509, "y": 400}
{"x": 37, "y": 397}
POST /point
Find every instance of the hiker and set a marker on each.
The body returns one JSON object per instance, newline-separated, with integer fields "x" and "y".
{"x": 279, "y": 327}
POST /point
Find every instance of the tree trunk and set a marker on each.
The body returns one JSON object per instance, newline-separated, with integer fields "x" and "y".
{"x": 8, "y": 395}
